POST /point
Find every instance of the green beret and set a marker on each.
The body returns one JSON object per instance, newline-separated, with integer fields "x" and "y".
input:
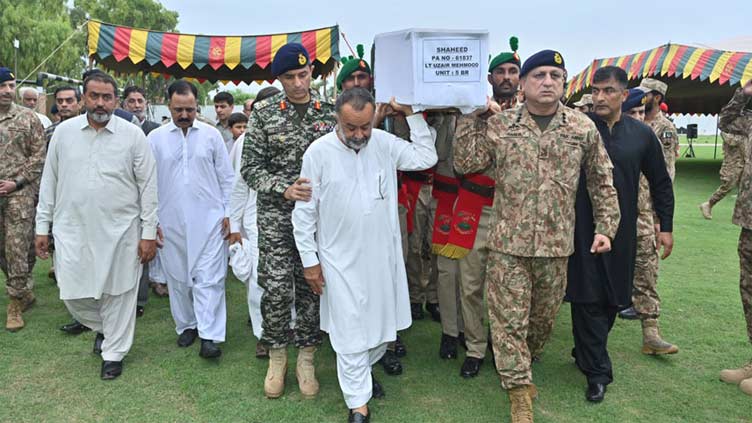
{"x": 351, "y": 64}
{"x": 507, "y": 57}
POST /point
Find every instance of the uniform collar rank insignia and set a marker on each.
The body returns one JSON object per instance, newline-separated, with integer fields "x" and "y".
{"x": 283, "y": 105}
{"x": 317, "y": 105}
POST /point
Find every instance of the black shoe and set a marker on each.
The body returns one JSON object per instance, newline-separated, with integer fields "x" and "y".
{"x": 595, "y": 392}
{"x": 433, "y": 310}
{"x": 359, "y": 418}
{"x": 391, "y": 363}
{"x": 416, "y": 310}
{"x": 187, "y": 338}
{"x": 470, "y": 367}
{"x": 629, "y": 314}
{"x": 98, "y": 343}
{"x": 448, "y": 347}
{"x": 74, "y": 328}
{"x": 139, "y": 311}
{"x": 111, "y": 369}
{"x": 377, "y": 391}
{"x": 399, "y": 348}
{"x": 250, "y": 323}
{"x": 209, "y": 349}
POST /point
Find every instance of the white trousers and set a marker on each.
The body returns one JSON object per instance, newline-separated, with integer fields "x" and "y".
{"x": 114, "y": 316}
{"x": 254, "y": 300}
{"x": 202, "y": 306}
{"x": 354, "y": 375}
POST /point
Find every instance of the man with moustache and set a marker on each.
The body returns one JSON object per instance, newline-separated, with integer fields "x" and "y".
{"x": 599, "y": 285}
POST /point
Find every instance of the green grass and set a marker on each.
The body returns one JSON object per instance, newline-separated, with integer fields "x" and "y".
{"x": 46, "y": 375}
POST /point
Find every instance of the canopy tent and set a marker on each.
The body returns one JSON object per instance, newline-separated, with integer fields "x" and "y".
{"x": 701, "y": 80}
{"x": 214, "y": 58}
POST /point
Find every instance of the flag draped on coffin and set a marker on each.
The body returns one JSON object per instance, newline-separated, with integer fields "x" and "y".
{"x": 700, "y": 80}
{"x": 204, "y": 57}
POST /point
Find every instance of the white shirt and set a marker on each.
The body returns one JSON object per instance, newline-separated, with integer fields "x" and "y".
{"x": 242, "y": 200}
{"x": 351, "y": 227}
{"x": 195, "y": 181}
{"x": 46, "y": 122}
{"x": 100, "y": 189}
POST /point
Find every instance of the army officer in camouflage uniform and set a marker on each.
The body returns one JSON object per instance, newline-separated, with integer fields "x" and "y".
{"x": 281, "y": 129}
{"x": 535, "y": 153}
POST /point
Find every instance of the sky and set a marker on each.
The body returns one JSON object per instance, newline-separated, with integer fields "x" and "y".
{"x": 580, "y": 30}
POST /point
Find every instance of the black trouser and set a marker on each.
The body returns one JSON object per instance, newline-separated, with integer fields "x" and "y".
{"x": 143, "y": 287}
{"x": 591, "y": 324}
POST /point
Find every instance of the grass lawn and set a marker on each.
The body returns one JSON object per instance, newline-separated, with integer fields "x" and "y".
{"x": 46, "y": 375}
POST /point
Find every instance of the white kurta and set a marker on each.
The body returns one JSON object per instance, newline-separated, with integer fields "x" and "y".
{"x": 100, "y": 189}
{"x": 195, "y": 181}
{"x": 351, "y": 227}
{"x": 243, "y": 220}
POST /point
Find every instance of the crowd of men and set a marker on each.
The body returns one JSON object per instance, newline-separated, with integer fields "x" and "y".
{"x": 350, "y": 218}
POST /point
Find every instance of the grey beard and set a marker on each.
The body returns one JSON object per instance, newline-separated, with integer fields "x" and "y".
{"x": 99, "y": 117}
{"x": 355, "y": 143}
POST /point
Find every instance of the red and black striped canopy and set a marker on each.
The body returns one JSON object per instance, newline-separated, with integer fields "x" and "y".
{"x": 204, "y": 57}
{"x": 700, "y": 80}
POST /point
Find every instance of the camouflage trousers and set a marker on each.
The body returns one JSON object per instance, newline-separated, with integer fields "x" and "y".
{"x": 731, "y": 171}
{"x": 17, "y": 256}
{"x": 524, "y": 296}
{"x": 421, "y": 264}
{"x": 280, "y": 274}
{"x": 645, "y": 297}
{"x": 745, "y": 276}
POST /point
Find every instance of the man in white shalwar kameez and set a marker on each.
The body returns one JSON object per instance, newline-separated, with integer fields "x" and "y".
{"x": 195, "y": 180}
{"x": 349, "y": 239}
{"x": 99, "y": 187}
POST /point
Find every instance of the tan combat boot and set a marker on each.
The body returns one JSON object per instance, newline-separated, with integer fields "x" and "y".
{"x": 274, "y": 384}
{"x": 736, "y": 376}
{"x": 521, "y": 404}
{"x": 14, "y": 321}
{"x": 652, "y": 343}
{"x": 706, "y": 210}
{"x": 746, "y": 386}
{"x": 306, "y": 373}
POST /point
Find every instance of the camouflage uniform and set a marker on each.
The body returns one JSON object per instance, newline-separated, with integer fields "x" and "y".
{"x": 645, "y": 297}
{"x": 272, "y": 155}
{"x": 734, "y": 119}
{"x": 733, "y": 164}
{"x": 22, "y": 151}
{"x": 532, "y": 233}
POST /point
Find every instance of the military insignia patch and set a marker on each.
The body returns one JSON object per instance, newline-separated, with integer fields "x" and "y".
{"x": 668, "y": 134}
{"x": 557, "y": 58}
{"x": 301, "y": 59}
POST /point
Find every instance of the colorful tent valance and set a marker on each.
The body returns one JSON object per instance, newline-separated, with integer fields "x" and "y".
{"x": 204, "y": 57}
{"x": 700, "y": 80}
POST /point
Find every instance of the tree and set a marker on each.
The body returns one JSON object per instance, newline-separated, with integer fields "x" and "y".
{"x": 146, "y": 14}
{"x": 41, "y": 26}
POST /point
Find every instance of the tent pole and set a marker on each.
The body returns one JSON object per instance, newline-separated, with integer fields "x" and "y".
{"x": 717, "y": 121}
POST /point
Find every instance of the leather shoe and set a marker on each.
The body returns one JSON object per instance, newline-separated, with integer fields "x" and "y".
{"x": 391, "y": 363}
{"x": 187, "y": 338}
{"x": 629, "y": 314}
{"x": 98, "y": 343}
{"x": 433, "y": 310}
{"x": 377, "y": 391}
{"x": 139, "y": 311}
{"x": 448, "y": 347}
{"x": 399, "y": 348}
{"x": 595, "y": 392}
{"x": 209, "y": 349}
{"x": 359, "y": 418}
{"x": 416, "y": 311}
{"x": 111, "y": 369}
{"x": 74, "y": 328}
{"x": 261, "y": 350}
{"x": 471, "y": 367}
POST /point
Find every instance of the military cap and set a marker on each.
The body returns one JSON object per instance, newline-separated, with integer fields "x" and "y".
{"x": 6, "y": 75}
{"x": 290, "y": 56}
{"x": 586, "y": 100}
{"x": 654, "y": 85}
{"x": 636, "y": 98}
{"x": 543, "y": 58}
{"x": 507, "y": 57}
{"x": 351, "y": 64}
